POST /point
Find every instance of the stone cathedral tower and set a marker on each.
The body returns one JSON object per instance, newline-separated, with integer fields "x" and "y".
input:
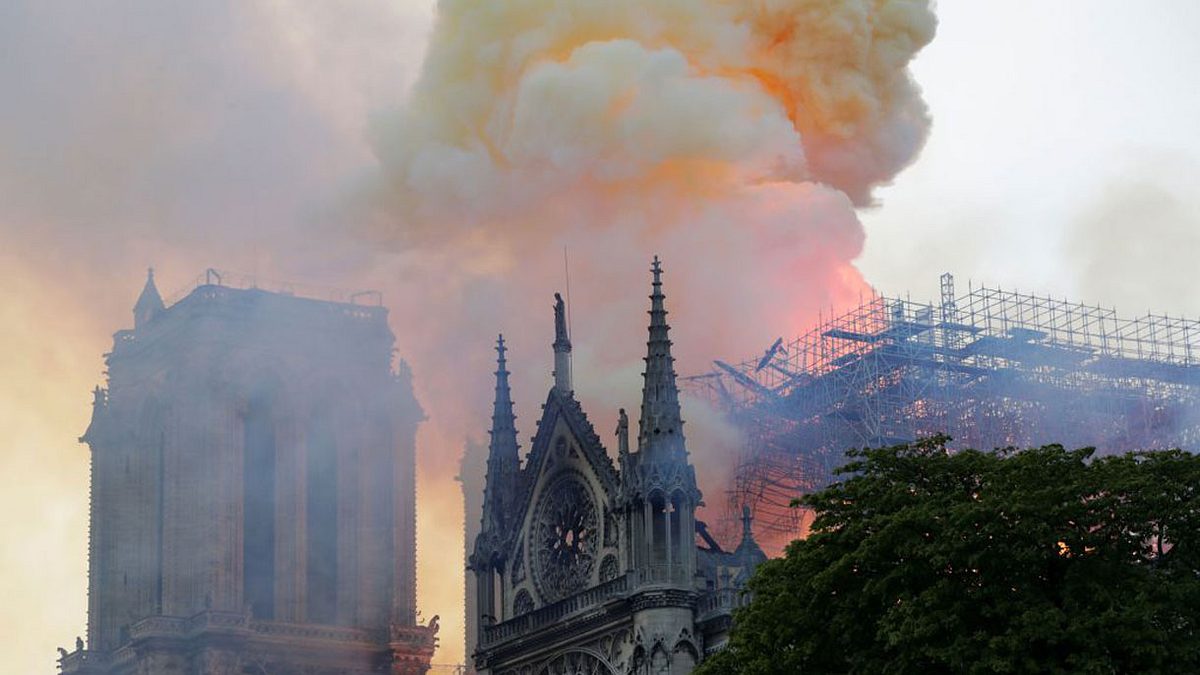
{"x": 586, "y": 566}
{"x": 252, "y": 494}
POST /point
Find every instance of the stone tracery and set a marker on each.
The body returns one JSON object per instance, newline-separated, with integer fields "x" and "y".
{"x": 565, "y": 536}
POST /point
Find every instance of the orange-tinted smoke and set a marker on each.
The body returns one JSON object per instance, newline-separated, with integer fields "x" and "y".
{"x": 734, "y": 139}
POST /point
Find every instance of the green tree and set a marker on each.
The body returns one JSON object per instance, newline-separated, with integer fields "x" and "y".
{"x": 927, "y": 561}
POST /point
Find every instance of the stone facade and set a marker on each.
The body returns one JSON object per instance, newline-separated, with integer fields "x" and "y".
{"x": 252, "y": 492}
{"x": 583, "y": 565}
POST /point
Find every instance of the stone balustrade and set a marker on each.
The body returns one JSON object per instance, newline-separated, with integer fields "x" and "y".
{"x": 663, "y": 574}
{"x": 720, "y": 601}
{"x": 558, "y": 611}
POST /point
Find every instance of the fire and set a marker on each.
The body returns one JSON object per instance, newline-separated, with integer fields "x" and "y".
{"x": 736, "y": 139}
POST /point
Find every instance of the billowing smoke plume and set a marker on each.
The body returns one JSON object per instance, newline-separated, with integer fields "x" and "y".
{"x": 524, "y": 109}
{"x": 734, "y": 138}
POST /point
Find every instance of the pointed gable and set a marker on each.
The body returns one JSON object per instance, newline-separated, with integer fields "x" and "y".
{"x": 562, "y": 413}
{"x": 563, "y": 419}
{"x": 567, "y": 470}
{"x": 566, "y": 501}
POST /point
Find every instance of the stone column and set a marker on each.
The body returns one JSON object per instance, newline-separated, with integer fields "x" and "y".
{"x": 648, "y": 511}
{"x": 668, "y": 509}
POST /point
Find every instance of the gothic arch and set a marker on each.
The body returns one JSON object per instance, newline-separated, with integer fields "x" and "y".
{"x": 680, "y": 497}
{"x": 657, "y": 494}
{"x": 523, "y": 603}
{"x": 686, "y": 651}
{"x": 660, "y": 659}
{"x": 638, "y": 661}
{"x": 577, "y": 662}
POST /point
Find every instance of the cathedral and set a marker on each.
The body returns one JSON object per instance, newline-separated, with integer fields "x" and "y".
{"x": 252, "y": 493}
{"x": 583, "y": 566}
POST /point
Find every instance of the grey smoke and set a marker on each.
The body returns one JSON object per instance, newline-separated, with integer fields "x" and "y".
{"x": 1136, "y": 245}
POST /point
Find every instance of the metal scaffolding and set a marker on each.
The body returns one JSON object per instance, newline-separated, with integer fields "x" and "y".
{"x": 992, "y": 368}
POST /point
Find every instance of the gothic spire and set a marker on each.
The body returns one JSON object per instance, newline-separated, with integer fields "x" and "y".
{"x": 503, "y": 461}
{"x": 562, "y": 348}
{"x": 748, "y": 551}
{"x": 661, "y": 425}
{"x": 504, "y": 432}
{"x": 149, "y": 303}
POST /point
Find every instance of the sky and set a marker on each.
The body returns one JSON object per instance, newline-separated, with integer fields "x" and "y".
{"x": 1061, "y": 159}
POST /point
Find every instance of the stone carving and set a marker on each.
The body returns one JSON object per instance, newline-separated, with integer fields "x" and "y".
{"x": 565, "y": 531}
{"x": 616, "y": 648}
{"x": 576, "y": 663}
{"x": 610, "y": 529}
{"x": 523, "y": 603}
{"x": 622, "y": 434}
{"x": 609, "y": 569}
{"x": 609, "y": 654}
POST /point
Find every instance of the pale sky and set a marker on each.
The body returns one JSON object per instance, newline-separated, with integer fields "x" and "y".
{"x": 1044, "y": 113}
{"x": 1064, "y": 159}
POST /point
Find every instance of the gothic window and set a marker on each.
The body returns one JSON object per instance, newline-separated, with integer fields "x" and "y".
{"x": 321, "y": 523}
{"x": 576, "y": 663}
{"x": 523, "y": 603}
{"x": 680, "y": 540}
{"x": 258, "y": 513}
{"x": 609, "y": 569}
{"x": 659, "y": 661}
{"x": 658, "y": 530}
{"x": 565, "y": 538}
{"x": 685, "y": 656}
{"x": 152, "y": 427}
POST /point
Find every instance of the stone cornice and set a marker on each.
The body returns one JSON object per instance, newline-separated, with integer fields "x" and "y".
{"x": 400, "y": 644}
{"x": 565, "y": 621}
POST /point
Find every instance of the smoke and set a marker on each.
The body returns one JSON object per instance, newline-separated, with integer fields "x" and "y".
{"x": 734, "y": 139}
{"x": 1154, "y": 197}
{"x": 524, "y": 109}
{"x": 168, "y": 133}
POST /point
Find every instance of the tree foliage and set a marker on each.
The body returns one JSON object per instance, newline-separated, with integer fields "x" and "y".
{"x": 927, "y": 561}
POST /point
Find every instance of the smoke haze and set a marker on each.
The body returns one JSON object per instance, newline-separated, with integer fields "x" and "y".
{"x": 276, "y": 138}
{"x": 176, "y": 134}
{"x": 1157, "y": 197}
